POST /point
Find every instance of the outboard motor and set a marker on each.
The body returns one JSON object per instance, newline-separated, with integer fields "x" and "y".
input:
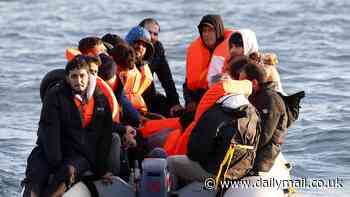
{"x": 155, "y": 178}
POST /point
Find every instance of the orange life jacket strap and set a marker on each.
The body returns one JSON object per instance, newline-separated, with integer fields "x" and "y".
{"x": 86, "y": 110}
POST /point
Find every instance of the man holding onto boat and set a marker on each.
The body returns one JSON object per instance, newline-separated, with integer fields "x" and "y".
{"x": 74, "y": 134}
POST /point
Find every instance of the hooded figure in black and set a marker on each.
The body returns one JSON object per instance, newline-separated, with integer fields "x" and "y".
{"x": 192, "y": 97}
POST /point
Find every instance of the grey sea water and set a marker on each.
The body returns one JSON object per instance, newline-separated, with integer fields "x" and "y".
{"x": 310, "y": 37}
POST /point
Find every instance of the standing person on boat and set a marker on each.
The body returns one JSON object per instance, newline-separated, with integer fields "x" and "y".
{"x": 273, "y": 115}
{"x": 159, "y": 65}
{"x": 74, "y": 134}
{"x": 205, "y": 54}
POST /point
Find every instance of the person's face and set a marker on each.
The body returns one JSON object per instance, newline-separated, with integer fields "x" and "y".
{"x": 236, "y": 51}
{"x": 153, "y": 30}
{"x": 78, "y": 79}
{"x": 209, "y": 36}
{"x": 140, "y": 48}
{"x": 93, "y": 69}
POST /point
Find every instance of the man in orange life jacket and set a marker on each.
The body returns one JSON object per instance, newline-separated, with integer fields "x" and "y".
{"x": 74, "y": 134}
{"x": 205, "y": 54}
{"x": 93, "y": 47}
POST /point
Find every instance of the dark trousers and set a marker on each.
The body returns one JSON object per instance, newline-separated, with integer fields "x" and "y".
{"x": 43, "y": 180}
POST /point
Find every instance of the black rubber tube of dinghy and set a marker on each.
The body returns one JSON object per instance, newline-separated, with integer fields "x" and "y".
{"x": 50, "y": 79}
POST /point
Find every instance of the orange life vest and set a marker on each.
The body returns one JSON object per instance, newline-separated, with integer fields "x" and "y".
{"x": 112, "y": 101}
{"x": 104, "y": 87}
{"x": 153, "y": 126}
{"x": 86, "y": 110}
{"x": 218, "y": 90}
{"x": 71, "y": 53}
{"x": 171, "y": 141}
{"x": 136, "y": 81}
{"x": 198, "y": 60}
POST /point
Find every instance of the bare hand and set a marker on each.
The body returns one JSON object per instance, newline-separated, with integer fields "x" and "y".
{"x": 175, "y": 109}
{"x": 129, "y": 137}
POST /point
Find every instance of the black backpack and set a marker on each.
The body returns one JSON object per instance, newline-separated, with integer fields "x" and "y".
{"x": 217, "y": 129}
{"x": 292, "y": 103}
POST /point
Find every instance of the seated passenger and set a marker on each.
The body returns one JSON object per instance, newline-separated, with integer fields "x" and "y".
{"x": 140, "y": 40}
{"x": 244, "y": 42}
{"x": 212, "y": 136}
{"x": 206, "y": 57}
{"x": 74, "y": 135}
{"x": 272, "y": 112}
{"x": 136, "y": 80}
{"x": 107, "y": 71}
{"x": 160, "y": 66}
{"x": 228, "y": 85}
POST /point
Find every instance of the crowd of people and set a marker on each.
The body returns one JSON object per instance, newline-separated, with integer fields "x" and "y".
{"x": 105, "y": 111}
